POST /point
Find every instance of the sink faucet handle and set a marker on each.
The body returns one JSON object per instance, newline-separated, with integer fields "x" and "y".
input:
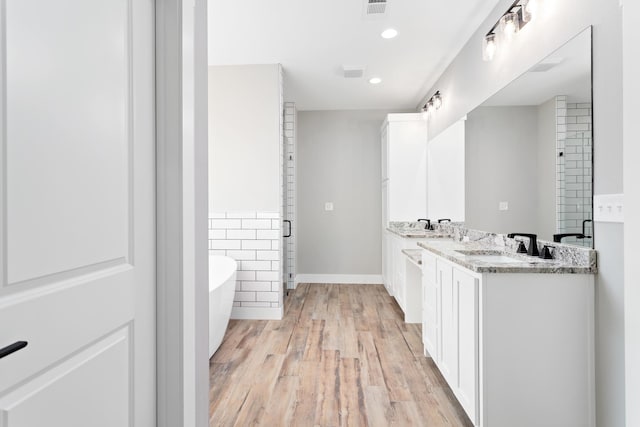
{"x": 546, "y": 252}
{"x": 533, "y": 242}
{"x": 428, "y": 221}
{"x": 522, "y": 249}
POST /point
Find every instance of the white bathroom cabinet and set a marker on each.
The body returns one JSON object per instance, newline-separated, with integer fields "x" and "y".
{"x": 401, "y": 282}
{"x": 515, "y": 348}
{"x": 404, "y": 167}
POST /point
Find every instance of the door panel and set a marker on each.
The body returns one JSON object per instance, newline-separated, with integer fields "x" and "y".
{"x": 448, "y": 323}
{"x": 77, "y": 212}
{"x": 42, "y": 400}
{"x": 467, "y": 387}
{"x": 430, "y": 321}
{"x": 73, "y": 131}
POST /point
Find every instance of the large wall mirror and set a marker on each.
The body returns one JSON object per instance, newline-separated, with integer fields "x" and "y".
{"x": 529, "y": 150}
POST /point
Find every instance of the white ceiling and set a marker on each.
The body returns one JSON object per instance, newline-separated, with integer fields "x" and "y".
{"x": 314, "y": 39}
{"x": 571, "y": 76}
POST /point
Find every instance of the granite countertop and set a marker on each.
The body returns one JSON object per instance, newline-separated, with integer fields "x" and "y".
{"x": 417, "y": 233}
{"x": 470, "y": 255}
{"x": 414, "y": 255}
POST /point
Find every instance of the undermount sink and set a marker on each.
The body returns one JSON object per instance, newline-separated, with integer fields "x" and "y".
{"x": 493, "y": 257}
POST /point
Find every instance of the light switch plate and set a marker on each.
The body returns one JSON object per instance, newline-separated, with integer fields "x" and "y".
{"x": 608, "y": 208}
{"x": 503, "y": 206}
{"x": 328, "y": 206}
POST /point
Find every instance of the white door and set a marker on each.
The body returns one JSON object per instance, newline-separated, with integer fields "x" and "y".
{"x": 77, "y": 222}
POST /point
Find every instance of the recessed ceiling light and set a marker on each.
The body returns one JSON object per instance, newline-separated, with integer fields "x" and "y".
{"x": 389, "y": 33}
{"x": 375, "y": 80}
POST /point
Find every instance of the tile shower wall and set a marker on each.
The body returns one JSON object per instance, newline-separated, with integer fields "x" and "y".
{"x": 289, "y": 202}
{"x": 253, "y": 240}
{"x": 574, "y": 168}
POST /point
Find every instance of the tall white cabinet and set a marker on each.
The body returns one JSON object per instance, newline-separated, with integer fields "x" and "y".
{"x": 404, "y": 168}
{"x": 404, "y": 176}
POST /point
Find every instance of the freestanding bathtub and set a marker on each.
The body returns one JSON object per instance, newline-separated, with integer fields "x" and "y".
{"x": 222, "y": 286}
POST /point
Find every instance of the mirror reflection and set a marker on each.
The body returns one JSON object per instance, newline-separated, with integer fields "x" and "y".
{"x": 529, "y": 148}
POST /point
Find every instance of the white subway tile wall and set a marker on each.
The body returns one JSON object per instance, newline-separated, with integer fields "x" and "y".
{"x": 574, "y": 142}
{"x": 289, "y": 203}
{"x": 253, "y": 240}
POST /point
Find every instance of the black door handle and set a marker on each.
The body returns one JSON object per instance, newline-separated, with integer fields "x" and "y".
{"x": 289, "y": 233}
{"x": 18, "y": 345}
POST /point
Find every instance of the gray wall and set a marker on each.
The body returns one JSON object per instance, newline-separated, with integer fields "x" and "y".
{"x": 468, "y": 81}
{"x": 546, "y": 174}
{"x": 339, "y": 162}
{"x": 501, "y": 166}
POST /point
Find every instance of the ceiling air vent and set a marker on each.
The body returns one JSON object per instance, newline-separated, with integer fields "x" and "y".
{"x": 376, "y": 7}
{"x": 351, "y": 72}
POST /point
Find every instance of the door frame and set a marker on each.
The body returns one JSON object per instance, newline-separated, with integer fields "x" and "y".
{"x": 182, "y": 213}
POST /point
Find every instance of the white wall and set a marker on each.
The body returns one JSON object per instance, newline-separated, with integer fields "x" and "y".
{"x": 339, "y": 162}
{"x": 244, "y": 135}
{"x": 468, "y": 81}
{"x": 631, "y": 71}
{"x": 446, "y": 174}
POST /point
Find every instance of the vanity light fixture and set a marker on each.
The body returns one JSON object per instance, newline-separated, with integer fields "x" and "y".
{"x": 434, "y": 103}
{"x": 517, "y": 16}
{"x": 375, "y": 80}
{"x": 389, "y": 33}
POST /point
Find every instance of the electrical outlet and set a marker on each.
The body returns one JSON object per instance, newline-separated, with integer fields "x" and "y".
{"x": 503, "y": 206}
{"x": 328, "y": 206}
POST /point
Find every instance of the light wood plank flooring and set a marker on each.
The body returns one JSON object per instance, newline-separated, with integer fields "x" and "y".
{"x": 342, "y": 356}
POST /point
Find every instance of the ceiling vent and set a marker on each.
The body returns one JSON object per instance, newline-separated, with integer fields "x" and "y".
{"x": 376, "y": 7}
{"x": 350, "y": 72}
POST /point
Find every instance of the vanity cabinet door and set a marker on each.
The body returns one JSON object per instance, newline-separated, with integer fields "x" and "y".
{"x": 398, "y": 270}
{"x": 430, "y": 306}
{"x": 386, "y": 262}
{"x": 467, "y": 386}
{"x": 448, "y": 362}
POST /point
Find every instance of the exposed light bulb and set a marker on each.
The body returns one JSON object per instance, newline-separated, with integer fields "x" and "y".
{"x": 375, "y": 80}
{"x": 531, "y": 7}
{"x": 437, "y": 101}
{"x": 389, "y": 33}
{"x": 430, "y": 107}
{"x": 509, "y": 25}
{"x": 489, "y": 47}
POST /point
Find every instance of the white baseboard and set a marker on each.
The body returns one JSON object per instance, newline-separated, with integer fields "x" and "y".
{"x": 257, "y": 313}
{"x": 367, "y": 279}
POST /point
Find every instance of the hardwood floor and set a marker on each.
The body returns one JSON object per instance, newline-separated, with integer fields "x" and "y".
{"x": 342, "y": 356}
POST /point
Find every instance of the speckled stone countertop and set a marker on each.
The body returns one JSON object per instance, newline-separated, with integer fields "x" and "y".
{"x": 470, "y": 255}
{"x": 415, "y": 255}
{"x": 416, "y": 230}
